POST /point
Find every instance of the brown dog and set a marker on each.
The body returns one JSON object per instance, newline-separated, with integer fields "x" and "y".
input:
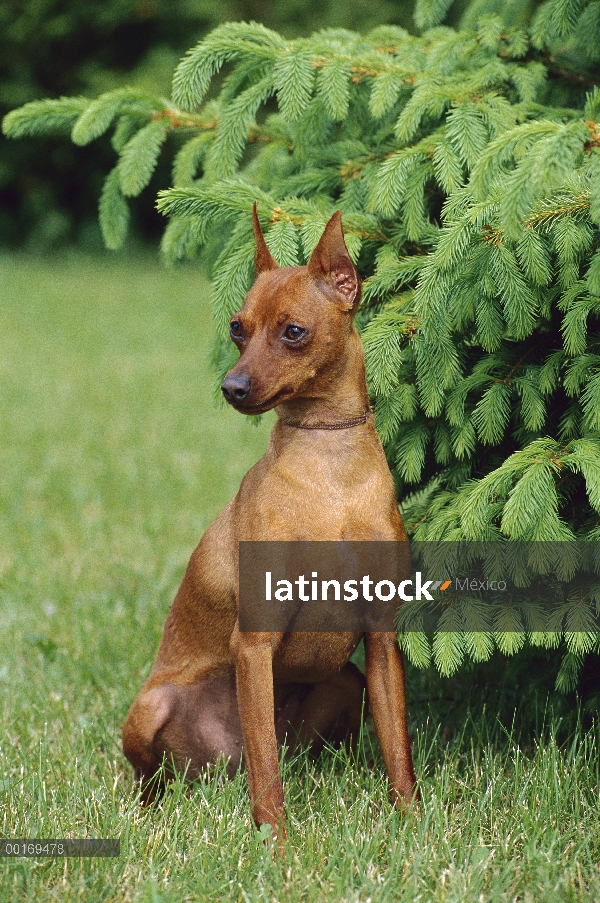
{"x": 213, "y": 689}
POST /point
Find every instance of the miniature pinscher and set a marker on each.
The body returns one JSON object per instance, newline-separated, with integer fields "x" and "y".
{"x": 213, "y": 690}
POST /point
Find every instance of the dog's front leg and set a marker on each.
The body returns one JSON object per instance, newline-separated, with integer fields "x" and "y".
{"x": 385, "y": 688}
{"x": 253, "y": 655}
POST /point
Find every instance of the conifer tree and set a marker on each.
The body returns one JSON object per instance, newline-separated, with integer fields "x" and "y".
{"x": 466, "y": 164}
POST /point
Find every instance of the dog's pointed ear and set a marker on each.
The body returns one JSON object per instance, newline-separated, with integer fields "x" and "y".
{"x": 263, "y": 259}
{"x": 331, "y": 262}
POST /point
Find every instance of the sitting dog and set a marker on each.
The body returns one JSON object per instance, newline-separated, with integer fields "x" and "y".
{"x": 215, "y": 691}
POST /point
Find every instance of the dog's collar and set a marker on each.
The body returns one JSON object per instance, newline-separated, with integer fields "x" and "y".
{"x": 336, "y": 425}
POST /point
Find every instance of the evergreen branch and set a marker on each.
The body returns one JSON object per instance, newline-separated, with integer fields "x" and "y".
{"x": 208, "y": 120}
{"x": 139, "y": 157}
{"x": 358, "y": 72}
{"x": 223, "y": 199}
{"x": 549, "y": 211}
{"x": 113, "y": 212}
{"x": 369, "y": 234}
{"x": 178, "y": 119}
{"x": 100, "y": 113}
{"x": 229, "y": 197}
{"x": 557, "y": 70}
{"x": 226, "y": 43}
{"x": 235, "y": 123}
{"x": 44, "y": 117}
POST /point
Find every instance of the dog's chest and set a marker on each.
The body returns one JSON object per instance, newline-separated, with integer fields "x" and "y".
{"x": 312, "y": 657}
{"x": 314, "y": 494}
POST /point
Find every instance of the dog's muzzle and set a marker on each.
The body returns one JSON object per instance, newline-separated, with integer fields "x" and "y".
{"x": 236, "y": 389}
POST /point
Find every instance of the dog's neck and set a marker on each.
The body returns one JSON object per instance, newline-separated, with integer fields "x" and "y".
{"x": 338, "y": 395}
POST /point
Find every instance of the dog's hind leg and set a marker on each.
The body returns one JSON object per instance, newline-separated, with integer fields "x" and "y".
{"x": 187, "y": 727}
{"x": 147, "y": 716}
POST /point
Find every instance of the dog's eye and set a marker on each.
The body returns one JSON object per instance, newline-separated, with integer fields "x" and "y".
{"x": 235, "y": 329}
{"x": 294, "y": 333}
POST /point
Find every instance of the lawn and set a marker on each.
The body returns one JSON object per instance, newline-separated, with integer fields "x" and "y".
{"x": 113, "y": 460}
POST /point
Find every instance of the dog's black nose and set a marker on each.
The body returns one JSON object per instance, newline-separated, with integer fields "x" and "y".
{"x": 235, "y": 388}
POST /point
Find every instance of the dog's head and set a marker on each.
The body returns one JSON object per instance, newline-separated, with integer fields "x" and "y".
{"x": 294, "y": 325}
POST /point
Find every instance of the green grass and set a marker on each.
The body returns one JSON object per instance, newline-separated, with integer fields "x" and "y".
{"x": 113, "y": 461}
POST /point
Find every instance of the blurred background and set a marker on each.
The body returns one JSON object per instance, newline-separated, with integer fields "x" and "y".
{"x": 49, "y": 189}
